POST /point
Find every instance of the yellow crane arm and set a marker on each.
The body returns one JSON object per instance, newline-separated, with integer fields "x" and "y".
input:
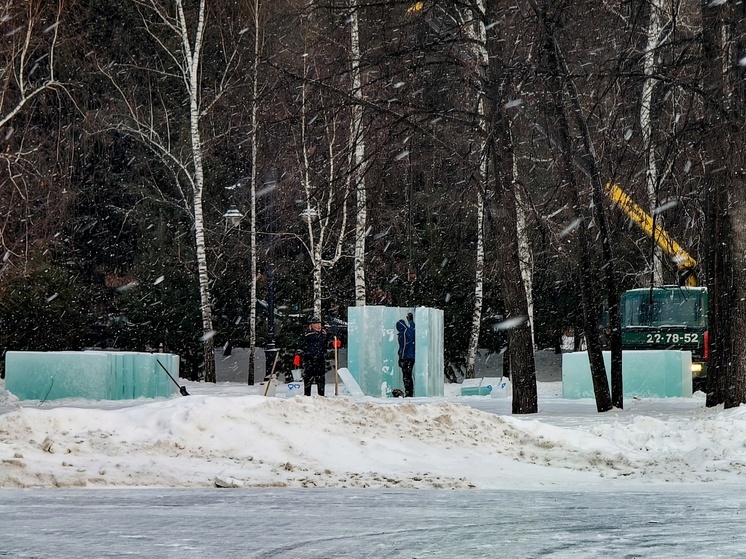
{"x": 683, "y": 259}
{"x": 414, "y": 8}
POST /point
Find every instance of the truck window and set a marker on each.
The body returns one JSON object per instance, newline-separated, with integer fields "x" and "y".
{"x": 668, "y": 307}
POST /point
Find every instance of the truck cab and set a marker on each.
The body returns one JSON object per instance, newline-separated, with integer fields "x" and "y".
{"x": 668, "y": 317}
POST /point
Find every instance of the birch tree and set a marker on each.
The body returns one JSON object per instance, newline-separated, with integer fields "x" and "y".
{"x": 477, "y": 40}
{"x": 28, "y": 51}
{"x": 357, "y": 157}
{"x": 501, "y": 87}
{"x": 254, "y": 162}
{"x": 179, "y": 36}
{"x": 649, "y": 68}
{"x": 321, "y": 177}
{"x": 525, "y": 255}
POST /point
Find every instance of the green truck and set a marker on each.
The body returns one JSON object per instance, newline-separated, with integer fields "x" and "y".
{"x": 668, "y": 317}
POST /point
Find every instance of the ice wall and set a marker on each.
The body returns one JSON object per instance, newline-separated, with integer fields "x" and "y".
{"x": 96, "y": 375}
{"x": 372, "y": 349}
{"x": 645, "y": 374}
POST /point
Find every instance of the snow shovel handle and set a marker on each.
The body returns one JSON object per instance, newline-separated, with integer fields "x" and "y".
{"x": 336, "y": 367}
{"x": 182, "y": 389}
{"x": 272, "y": 373}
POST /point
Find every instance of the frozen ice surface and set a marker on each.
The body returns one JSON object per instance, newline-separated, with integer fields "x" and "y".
{"x": 95, "y": 375}
{"x": 646, "y": 374}
{"x": 372, "y": 354}
{"x": 690, "y": 522}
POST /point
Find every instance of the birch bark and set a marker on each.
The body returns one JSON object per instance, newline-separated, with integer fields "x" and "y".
{"x": 192, "y": 53}
{"x": 357, "y": 153}
{"x": 476, "y": 34}
{"x": 254, "y": 161}
{"x": 164, "y": 22}
{"x": 646, "y": 125}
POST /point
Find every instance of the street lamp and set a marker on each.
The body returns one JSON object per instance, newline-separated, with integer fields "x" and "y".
{"x": 309, "y": 215}
{"x": 233, "y": 216}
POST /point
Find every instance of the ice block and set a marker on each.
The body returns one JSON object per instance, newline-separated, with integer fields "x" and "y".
{"x": 645, "y": 374}
{"x": 95, "y": 375}
{"x": 372, "y": 349}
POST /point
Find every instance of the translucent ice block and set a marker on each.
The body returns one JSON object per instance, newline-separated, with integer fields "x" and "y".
{"x": 428, "y": 365}
{"x": 645, "y": 374}
{"x": 95, "y": 375}
{"x": 372, "y": 353}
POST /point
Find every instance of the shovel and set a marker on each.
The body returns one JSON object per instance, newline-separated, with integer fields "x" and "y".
{"x": 336, "y": 367}
{"x": 182, "y": 389}
{"x": 272, "y": 374}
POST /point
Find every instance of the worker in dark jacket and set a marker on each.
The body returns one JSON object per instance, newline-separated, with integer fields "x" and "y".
{"x": 405, "y": 336}
{"x": 313, "y": 349}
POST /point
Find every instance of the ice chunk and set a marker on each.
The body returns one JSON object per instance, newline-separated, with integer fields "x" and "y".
{"x": 95, "y": 375}
{"x": 349, "y": 382}
{"x": 372, "y": 355}
{"x": 645, "y": 374}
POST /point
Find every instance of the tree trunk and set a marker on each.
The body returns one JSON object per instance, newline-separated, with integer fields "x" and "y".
{"x": 735, "y": 393}
{"x": 192, "y": 61}
{"x": 476, "y": 320}
{"x": 357, "y": 149}
{"x": 498, "y": 91}
{"x": 717, "y": 229}
{"x": 560, "y": 115}
{"x": 649, "y": 68}
{"x": 522, "y": 364}
{"x": 738, "y": 195}
{"x": 723, "y": 42}
{"x": 476, "y": 34}
{"x": 254, "y": 159}
{"x": 524, "y": 252}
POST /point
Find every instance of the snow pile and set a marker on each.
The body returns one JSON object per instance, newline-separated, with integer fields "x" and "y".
{"x": 251, "y": 441}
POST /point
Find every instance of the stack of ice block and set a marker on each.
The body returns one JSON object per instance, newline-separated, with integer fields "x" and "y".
{"x": 372, "y": 349}
{"x": 96, "y": 375}
{"x": 645, "y": 374}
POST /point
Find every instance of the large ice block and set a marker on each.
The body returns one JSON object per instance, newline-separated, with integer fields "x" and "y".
{"x": 372, "y": 349}
{"x": 95, "y": 375}
{"x": 645, "y": 374}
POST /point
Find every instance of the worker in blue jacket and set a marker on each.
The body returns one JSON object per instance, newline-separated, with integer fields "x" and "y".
{"x": 405, "y": 335}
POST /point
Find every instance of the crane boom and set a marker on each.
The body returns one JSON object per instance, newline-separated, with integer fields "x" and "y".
{"x": 686, "y": 264}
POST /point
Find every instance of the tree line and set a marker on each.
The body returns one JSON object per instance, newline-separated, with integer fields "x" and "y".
{"x": 452, "y": 154}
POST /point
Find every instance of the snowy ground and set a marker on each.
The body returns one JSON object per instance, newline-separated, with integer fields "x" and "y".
{"x": 229, "y": 435}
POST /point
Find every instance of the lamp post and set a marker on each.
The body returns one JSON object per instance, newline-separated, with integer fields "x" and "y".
{"x": 233, "y": 217}
{"x": 269, "y": 349}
